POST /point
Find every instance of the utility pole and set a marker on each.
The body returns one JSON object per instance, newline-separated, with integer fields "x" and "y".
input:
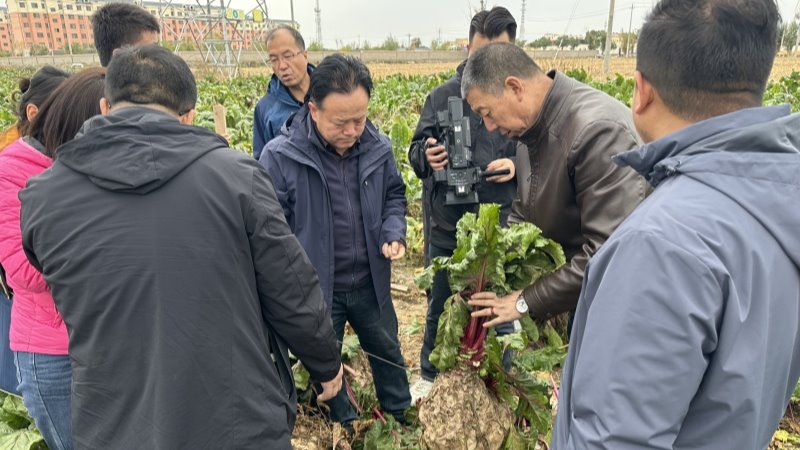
{"x": 610, "y": 27}
{"x": 291, "y": 6}
{"x": 522, "y": 23}
{"x": 318, "y": 13}
{"x": 630, "y": 35}
{"x": 483, "y": 5}
{"x": 798, "y": 29}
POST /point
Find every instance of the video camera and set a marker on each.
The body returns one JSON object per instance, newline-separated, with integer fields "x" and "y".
{"x": 460, "y": 174}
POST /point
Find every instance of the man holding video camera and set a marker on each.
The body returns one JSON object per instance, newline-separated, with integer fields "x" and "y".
{"x": 427, "y": 154}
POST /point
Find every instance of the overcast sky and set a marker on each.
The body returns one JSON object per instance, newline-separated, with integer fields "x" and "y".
{"x": 373, "y": 20}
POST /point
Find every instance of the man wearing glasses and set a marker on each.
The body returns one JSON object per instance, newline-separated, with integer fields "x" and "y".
{"x": 291, "y": 76}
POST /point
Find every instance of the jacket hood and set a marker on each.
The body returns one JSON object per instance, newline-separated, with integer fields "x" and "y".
{"x": 752, "y": 156}
{"x": 136, "y": 150}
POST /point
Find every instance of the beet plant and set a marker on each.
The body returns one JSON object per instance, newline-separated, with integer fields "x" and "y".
{"x": 477, "y": 401}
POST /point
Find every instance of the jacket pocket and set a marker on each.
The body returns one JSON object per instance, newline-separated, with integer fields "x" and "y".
{"x": 371, "y": 204}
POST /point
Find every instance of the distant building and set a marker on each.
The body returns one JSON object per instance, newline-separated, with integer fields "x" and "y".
{"x": 62, "y": 25}
{"x": 5, "y": 31}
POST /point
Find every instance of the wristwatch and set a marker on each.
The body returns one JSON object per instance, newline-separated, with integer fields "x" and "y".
{"x": 522, "y": 305}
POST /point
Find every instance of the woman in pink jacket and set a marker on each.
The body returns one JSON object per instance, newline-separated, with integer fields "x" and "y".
{"x": 32, "y": 93}
{"x": 38, "y": 336}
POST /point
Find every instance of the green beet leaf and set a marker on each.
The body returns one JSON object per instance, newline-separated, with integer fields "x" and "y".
{"x": 424, "y": 280}
{"x": 449, "y": 333}
{"x": 24, "y": 439}
{"x": 350, "y": 347}
{"x": 477, "y": 261}
{"x": 13, "y": 412}
{"x": 552, "y": 336}
{"x": 301, "y": 376}
{"x": 530, "y": 328}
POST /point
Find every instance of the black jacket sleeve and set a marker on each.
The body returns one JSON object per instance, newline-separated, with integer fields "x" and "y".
{"x": 426, "y": 127}
{"x": 291, "y": 298}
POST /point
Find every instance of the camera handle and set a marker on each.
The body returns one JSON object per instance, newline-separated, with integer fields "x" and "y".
{"x": 492, "y": 173}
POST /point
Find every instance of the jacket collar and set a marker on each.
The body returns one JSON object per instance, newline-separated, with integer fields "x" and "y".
{"x": 460, "y": 71}
{"x": 282, "y": 92}
{"x": 551, "y": 109}
{"x": 659, "y": 159}
{"x": 303, "y": 145}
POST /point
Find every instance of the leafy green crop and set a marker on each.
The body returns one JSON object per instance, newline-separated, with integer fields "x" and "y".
{"x": 502, "y": 260}
{"x": 489, "y": 257}
{"x": 17, "y": 431}
{"x": 386, "y": 434}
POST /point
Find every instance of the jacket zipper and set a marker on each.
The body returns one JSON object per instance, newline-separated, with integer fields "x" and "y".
{"x": 352, "y": 222}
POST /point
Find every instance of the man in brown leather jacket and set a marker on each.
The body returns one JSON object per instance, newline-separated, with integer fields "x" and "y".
{"x": 567, "y": 184}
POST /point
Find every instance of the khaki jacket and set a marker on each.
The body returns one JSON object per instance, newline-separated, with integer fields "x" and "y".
{"x": 568, "y": 186}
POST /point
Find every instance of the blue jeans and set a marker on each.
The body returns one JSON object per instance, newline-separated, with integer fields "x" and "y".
{"x": 46, "y": 382}
{"x": 377, "y": 333}
{"x": 439, "y": 293}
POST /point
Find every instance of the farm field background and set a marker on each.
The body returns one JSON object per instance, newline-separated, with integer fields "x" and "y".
{"x": 399, "y": 93}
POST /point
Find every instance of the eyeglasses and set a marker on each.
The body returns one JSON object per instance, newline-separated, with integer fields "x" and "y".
{"x": 274, "y": 61}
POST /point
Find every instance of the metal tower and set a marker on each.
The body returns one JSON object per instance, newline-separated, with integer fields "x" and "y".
{"x": 318, "y": 14}
{"x": 213, "y": 29}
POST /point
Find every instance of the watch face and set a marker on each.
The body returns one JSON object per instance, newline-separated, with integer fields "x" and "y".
{"x": 522, "y": 307}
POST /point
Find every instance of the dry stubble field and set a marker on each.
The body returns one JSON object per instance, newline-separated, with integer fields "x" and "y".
{"x": 784, "y": 65}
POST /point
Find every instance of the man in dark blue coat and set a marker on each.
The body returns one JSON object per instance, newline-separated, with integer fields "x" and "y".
{"x": 287, "y": 88}
{"x": 344, "y": 198}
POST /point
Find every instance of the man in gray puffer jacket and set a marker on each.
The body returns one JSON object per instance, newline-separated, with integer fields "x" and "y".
{"x": 687, "y": 332}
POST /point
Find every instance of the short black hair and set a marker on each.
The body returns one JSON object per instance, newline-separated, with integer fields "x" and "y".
{"x": 298, "y": 38}
{"x": 63, "y": 113}
{"x": 500, "y": 21}
{"x": 476, "y": 24}
{"x": 151, "y": 75}
{"x": 339, "y": 74}
{"x": 493, "y": 23}
{"x": 35, "y": 90}
{"x": 709, "y": 57}
{"x": 118, "y": 24}
{"x": 490, "y": 65}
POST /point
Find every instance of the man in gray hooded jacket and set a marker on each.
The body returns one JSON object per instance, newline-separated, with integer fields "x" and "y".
{"x": 687, "y": 332}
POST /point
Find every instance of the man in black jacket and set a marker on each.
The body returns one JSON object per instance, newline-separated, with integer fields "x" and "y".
{"x": 491, "y": 151}
{"x": 179, "y": 281}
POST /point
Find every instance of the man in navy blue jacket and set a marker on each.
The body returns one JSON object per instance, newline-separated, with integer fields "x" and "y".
{"x": 287, "y": 88}
{"x": 344, "y": 198}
